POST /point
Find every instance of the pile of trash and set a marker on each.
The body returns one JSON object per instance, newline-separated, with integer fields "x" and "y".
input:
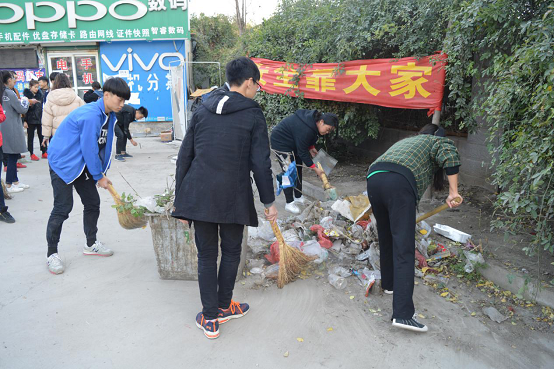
{"x": 342, "y": 237}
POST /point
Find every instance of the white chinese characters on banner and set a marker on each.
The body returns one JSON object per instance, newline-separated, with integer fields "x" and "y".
{"x": 156, "y": 5}
{"x": 153, "y": 82}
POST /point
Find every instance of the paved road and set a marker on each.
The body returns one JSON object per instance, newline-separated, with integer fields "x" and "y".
{"x": 116, "y": 313}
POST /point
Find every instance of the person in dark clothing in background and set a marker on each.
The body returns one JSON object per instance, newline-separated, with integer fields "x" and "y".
{"x": 227, "y": 139}
{"x": 45, "y": 86}
{"x": 94, "y": 94}
{"x": 125, "y": 117}
{"x": 298, "y": 134}
{"x": 395, "y": 183}
{"x": 5, "y": 216}
{"x": 33, "y": 118}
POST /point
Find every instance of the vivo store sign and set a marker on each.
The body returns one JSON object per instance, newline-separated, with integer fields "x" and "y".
{"x": 88, "y": 20}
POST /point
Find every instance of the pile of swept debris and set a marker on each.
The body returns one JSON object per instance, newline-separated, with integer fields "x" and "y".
{"x": 342, "y": 238}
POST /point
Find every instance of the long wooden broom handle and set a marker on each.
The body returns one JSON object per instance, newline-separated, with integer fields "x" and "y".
{"x": 277, "y": 232}
{"x": 435, "y": 211}
{"x": 113, "y": 191}
{"x": 326, "y": 184}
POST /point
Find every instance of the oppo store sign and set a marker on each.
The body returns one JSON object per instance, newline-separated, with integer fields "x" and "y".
{"x": 88, "y": 20}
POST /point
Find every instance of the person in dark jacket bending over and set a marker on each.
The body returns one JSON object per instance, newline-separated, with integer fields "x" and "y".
{"x": 94, "y": 94}
{"x": 33, "y": 118}
{"x": 227, "y": 139}
{"x": 395, "y": 183}
{"x": 298, "y": 134}
{"x": 125, "y": 117}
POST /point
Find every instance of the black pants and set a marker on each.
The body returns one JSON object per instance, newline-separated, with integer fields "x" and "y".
{"x": 85, "y": 186}
{"x": 121, "y": 142}
{"x": 31, "y": 137}
{"x": 3, "y": 206}
{"x": 394, "y": 206}
{"x": 11, "y": 172}
{"x": 216, "y": 288}
{"x": 297, "y": 190}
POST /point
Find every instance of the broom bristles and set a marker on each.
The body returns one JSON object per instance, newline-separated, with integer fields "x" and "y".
{"x": 126, "y": 219}
{"x": 291, "y": 260}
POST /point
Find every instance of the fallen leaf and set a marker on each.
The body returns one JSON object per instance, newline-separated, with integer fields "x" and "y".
{"x": 421, "y": 316}
{"x": 372, "y": 311}
{"x": 444, "y": 294}
{"x": 352, "y": 297}
{"x": 473, "y": 314}
{"x": 243, "y": 283}
{"x": 329, "y": 329}
{"x": 286, "y": 354}
{"x": 300, "y": 339}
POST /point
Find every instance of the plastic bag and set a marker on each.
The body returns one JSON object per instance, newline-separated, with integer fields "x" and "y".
{"x": 326, "y": 222}
{"x": 313, "y": 248}
{"x": 337, "y": 281}
{"x": 472, "y": 259}
{"x": 371, "y": 273}
{"x": 340, "y": 271}
{"x": 272, "y": 271}
{"x": 322, "y": 238}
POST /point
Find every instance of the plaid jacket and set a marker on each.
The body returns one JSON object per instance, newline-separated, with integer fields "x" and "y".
{"x": 423, "y": 155}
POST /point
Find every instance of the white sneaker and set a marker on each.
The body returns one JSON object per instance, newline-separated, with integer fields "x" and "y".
{"x": 388, "y": 292}
{"x": 22, "y": 185}
{"x": 97, "y": 249}
{"x": 55, "y": 265}
{"x": 14, "y": 189}
{"x": 292, "y": 208}
{"x": 300, "y": 200}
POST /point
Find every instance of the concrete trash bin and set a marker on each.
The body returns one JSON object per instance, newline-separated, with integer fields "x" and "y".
{"x": 175, "y": 248}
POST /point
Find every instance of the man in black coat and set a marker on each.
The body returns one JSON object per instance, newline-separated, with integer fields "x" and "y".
{"x": 227, "y": 139}
{"x": 33, "y": 118}
{"x": 93, "y": 94}
{"x": 294, "y": 139}
{"x": 125, "y": 117}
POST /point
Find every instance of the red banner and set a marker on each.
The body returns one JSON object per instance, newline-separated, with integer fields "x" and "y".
{"x": 406, "y": 83}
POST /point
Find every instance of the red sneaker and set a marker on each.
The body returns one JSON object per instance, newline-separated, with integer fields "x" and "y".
{"x": 19, "y": 165}
{"x": 45, "y": 155}
{"x": 34, "y": 157}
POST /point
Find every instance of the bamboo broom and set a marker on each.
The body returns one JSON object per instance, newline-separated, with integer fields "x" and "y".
{"x": 291, "y": 260}
{"x": 126, "y": 219}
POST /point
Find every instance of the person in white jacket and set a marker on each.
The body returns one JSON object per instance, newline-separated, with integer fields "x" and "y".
{"x": 62, "y": 100}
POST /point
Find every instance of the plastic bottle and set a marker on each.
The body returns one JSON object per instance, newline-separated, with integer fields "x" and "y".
{"x": 336, "y": 281}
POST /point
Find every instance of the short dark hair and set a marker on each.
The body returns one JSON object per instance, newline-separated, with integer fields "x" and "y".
{"x": 61, "y": 81}
{"x": 143, "y": 111}
{"x": 330, "y": 119}
{"x": 53, "y": 76}
{"x": 96, "y": 85}
{"x": 33, "y": 82}
{"x": 118, "y": 86}
{"x": 44, "y": 78}
{"x": 6, "y": 75}
{"x": 239, "y": 70}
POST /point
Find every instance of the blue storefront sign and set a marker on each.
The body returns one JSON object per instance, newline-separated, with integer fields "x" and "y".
{"x": 24, "y": 76}
{"x": 145, "y": 66}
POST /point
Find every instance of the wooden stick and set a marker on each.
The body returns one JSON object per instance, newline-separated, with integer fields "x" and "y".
{"x": 436, "y": 211}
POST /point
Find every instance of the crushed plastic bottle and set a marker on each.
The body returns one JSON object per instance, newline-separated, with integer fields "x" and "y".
{"x": 337, "y": 281}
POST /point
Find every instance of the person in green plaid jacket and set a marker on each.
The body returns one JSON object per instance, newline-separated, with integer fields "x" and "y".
{"x": 396, "y": 182}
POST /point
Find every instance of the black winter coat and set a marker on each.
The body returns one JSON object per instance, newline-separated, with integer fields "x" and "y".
{"x": 296, "y": 133}
{"x": 226, "y": 140}
{"x": 34, "y": 114}
{"x": 124, "y": 118}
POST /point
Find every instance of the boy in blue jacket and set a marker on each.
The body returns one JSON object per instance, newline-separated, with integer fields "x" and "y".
{"x": 79, "y": 156}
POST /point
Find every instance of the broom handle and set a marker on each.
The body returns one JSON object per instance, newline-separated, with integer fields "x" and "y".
{"x": 326, "y": 184}
{"x": 277, "y": 232}
{"x": 435, "y": 211}
{"x": 113, "y": 191}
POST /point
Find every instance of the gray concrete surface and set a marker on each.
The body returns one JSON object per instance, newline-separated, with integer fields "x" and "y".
{"x": 117, "y": 313}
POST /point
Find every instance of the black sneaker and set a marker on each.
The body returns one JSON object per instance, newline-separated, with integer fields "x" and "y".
{"x": 409, "y": 324}
{"x": 6, "y": 217}
{"x": 119, "y": 157}
{"x": 127, "y": 155}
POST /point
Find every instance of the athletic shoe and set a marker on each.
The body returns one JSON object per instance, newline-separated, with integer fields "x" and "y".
{"x": 34, "y": 157}
{"x": 235, "y": 310}
{"x": 14, "y": 189}
{"x": 127, "y": 155}
{"x": 97, "y": 249}
{"x": 292, "y": 208}
{"x": 55, "y": 265}
{"x": 21, "y": 185}
{"x": 410, "y": 324}
{"x": 45, "y": 155}
{"x": 388, "y": 292}
{"x": 119, "y": 157}
{"x": 6, "y": 217}
{"x": 210, "y": 327}
{"x": 19, "y": 165}
{"x": 300, "y": 200}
